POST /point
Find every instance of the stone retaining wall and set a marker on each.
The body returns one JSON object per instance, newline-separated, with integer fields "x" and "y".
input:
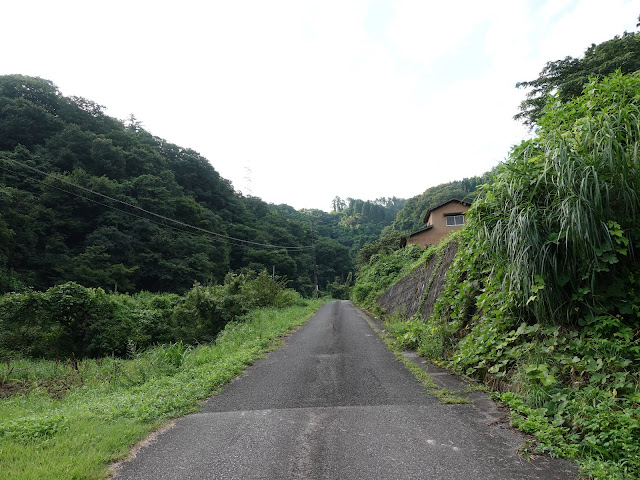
{"x": 405, "y": 296}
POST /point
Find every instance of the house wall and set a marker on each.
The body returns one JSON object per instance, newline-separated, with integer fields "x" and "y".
{"x": 439, "y": 228}
{"x": 421, "y": 239}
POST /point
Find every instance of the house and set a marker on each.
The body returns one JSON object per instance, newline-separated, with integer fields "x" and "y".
{"x": 439, "y": 222}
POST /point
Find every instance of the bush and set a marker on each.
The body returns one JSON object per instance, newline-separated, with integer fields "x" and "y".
{"x": 340, "y": 290}
{"x": 23, "y": 325}
{"x": 66, "y": 320}
{"x": 381, "y": 272}
{"x": 85, "y": 318}
{"x": 70, "y": 320}
{"x": 148, "y": 318}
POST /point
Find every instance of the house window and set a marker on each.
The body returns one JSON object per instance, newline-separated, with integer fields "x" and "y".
{"x": 453, "y": 220}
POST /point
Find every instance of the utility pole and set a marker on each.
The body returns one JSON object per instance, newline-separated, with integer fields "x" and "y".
{"x": 315, "y": 265}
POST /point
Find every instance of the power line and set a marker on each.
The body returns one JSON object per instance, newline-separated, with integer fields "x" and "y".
{"x": 219, "y": 237}
{"x": 192, "y": 234}
{"x": 227, "y": 238}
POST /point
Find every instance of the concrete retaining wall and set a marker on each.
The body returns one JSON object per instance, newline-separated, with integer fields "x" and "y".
{"x": 426, "y": 281}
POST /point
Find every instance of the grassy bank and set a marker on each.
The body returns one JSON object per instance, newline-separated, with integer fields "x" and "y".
{"x": 71, "y": 420}
{"x": 542, "y": 301}
{"x": 579, "y": 399}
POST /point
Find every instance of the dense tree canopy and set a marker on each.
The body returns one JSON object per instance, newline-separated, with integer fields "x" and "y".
{"x": 568, "y": 76}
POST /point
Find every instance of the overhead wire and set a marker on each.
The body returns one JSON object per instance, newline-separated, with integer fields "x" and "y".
{"x": 192, "y": 234}
{"x": 218, "y": 236}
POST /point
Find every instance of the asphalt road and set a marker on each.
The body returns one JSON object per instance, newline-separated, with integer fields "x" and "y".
{"x": 334, "y": 403}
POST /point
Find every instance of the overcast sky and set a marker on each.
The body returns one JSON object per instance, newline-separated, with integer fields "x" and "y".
{"x": 299, "y": 101}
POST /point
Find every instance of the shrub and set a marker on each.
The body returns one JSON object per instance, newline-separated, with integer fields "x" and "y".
{"x": 380, "y": 273}
{"x": 69, "y": 320}
{"x": 340, "y": 290}
{"x": 24, "y": 326}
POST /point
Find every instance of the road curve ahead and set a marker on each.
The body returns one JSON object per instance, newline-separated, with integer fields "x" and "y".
{"x": 334, "y": 403}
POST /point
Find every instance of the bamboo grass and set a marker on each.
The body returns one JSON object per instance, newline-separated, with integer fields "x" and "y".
{"x": 549, "y": 214}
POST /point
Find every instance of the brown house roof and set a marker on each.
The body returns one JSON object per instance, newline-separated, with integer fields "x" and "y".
{"x": 461, "y": 202}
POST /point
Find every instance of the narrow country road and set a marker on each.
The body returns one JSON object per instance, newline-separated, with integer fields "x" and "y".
{"x": 334, "y": 403}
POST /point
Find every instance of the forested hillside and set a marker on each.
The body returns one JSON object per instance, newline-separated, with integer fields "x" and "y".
{"x": 411, "y": 217}
{"x": 89, "y": 198}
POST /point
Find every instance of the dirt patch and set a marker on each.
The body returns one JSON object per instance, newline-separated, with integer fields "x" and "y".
{"x": 57, "y": 388}
{"x": 8, "y": 390}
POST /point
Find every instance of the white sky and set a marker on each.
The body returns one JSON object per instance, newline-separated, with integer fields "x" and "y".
{"x": 353, "y": 98}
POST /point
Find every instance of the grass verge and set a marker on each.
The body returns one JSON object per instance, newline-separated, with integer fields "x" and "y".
{"x": 74, "y": 420}
{"x": 443, "y": 394}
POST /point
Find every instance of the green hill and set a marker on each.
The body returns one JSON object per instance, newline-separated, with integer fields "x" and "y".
{"x": 411, "y": 216}
{"x": 541, "y": 301}
{"x": 86, "y": 197}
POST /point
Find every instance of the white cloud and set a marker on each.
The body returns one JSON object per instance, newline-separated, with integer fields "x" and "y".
{"x": 589, "y": 21}
{"x": 315, "y": 97}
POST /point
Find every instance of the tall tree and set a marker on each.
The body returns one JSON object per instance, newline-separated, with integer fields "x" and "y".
{"x": 338, "y": 204}
{"x": 568, "y": 76}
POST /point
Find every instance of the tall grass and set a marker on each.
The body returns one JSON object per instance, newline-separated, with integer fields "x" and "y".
{"x": 562, "y": 214}
{"x": 109, "y": 404}
{"x": 543, "y": 298}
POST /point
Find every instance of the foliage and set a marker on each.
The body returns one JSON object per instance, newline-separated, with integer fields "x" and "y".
{"x": 545, "y": 293}
{"x": 388, "y": 242}
{"x": 602, "y": 436}
{"x": 541, "y": 301}
{"x": 111, "y": 403}
{"x": 70, "y": 320}
{"x": 381, "y": 272}
{"x": 559, "y": 224}
{"x": 427, "y": 338}
{"x": 340, "y": 290}
{"x": 566, "y": 78}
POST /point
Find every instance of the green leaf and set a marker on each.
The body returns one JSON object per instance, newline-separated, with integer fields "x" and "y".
{"x": 549, "y": 380}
